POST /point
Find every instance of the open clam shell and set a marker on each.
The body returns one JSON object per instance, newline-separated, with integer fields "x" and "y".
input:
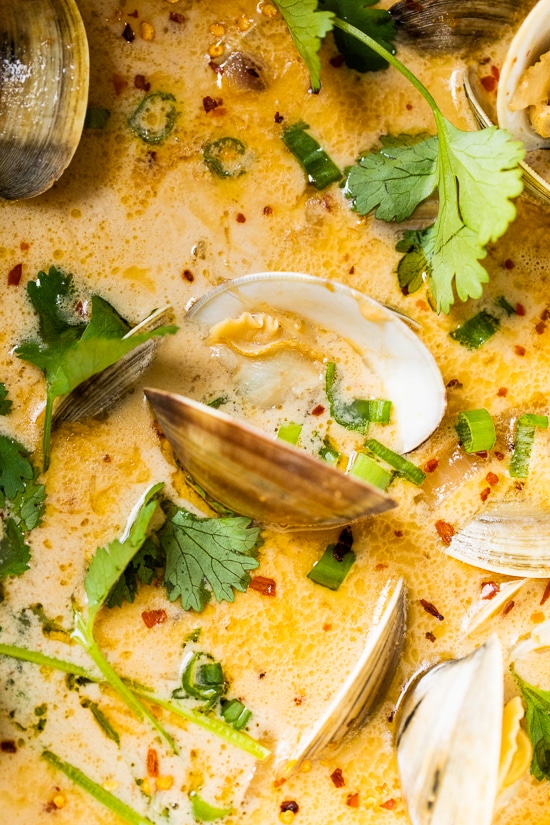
{"x": 408, "y": 372}
{"x": 102, "y": 390}
{"x": 367, "y": 683}
{"x": 449, "y": 740}
{"x": 510, "y": 538}
{"x": 44, "y": 73}
{"x": 258, "y": 476}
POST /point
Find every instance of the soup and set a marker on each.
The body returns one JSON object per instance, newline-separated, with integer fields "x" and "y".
{"x": 148, "y": 224}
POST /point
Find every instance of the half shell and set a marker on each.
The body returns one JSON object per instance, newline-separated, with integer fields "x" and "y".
{"x": 44, "y": 72}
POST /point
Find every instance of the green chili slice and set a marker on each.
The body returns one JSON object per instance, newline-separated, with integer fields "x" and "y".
{"x": 476, "y": 430}
{"x": 525, "y": 436}
{"x": 154, "y": 118}
{"x": 320, "y": 169}
{"x": 227, "y": 157}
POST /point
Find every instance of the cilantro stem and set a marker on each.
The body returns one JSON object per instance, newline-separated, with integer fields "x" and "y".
{"x": 100, "y": 794}
{"x": 47, "y": 430}
{"x": 380, "y": 50}
{"x": 36, "y": 658}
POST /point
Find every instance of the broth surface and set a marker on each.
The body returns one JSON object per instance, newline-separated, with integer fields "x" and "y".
{"x": 147, "y": 225}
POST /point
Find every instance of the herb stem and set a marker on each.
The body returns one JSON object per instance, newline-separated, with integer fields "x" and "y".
{"x": 47, "y": 429}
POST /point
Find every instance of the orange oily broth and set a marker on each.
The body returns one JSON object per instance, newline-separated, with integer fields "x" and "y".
{"x": 128, "y": 225}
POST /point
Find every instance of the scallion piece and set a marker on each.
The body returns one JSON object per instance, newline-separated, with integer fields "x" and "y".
{"x": 227, "y": 157}
{"x": 289, "y": 432}
{"x": 356, "y": 414}
{"x": 100, "y": 794}
{"x": 236, "y": 714}
{"x": 154, "y": 118}
{"x": 328, "y": 453}
{"x": 320, "y": 169}
{"x": 379, "y": 410}
{"x": 204, "y": 811}
{"x": 505, "y": 305}
{"x": 405, "y": 467}
{"x": 525, "y": 436}
{"x": 476, "y": 330}
{"x": 476, "y": 430}
{"x": 109, "y": 731}
{"x": 203, "y": 678}
{"x": 335, "y": 563}
{"x": 96, "y": 118}
{"x": 368, "y": 470}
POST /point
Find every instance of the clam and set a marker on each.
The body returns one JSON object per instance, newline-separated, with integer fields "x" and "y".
{"x": 44, "y": 72}
{"x": 364, "y": 687}
{"x": 449, "y": 740}
{"x": 102, "y": 390}
{"x": 521, "y": 100}
{"x": 272, "y": 481}
{"x": 511, "y": 538}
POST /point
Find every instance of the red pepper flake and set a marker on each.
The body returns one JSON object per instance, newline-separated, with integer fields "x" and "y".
{"x": 298, "y": 700}
{"x": 431, "y": 465}
{"x": 278, "y": 117}
{"x": 353, "y": 800}
{"x": 492, "y": 478}
{"x": 268, "y": 210}
{"x": 545, "y": 315}
{"x": 482, "y": 454}
{"x": 409, "y": 107}
{"x": 389, "y": 804}
{"x": 337, "y": 61}
{"x": 431, "y": 609}
{"x": 120, "y": 83}
{"x": 141, "y": 83}
{"x": 520, "y": 309}
{"x": 129, "y": 34}
{"x": 489, "y": 590}
{"x": 176, "y": 17}
{"x": 381, "y": 565}
{"x": 8, "y": 746}
{"x": 24, "y": 246}
{"x": 446, "y": 531}
{"x": 499, "y": 455}
{"x": 519, "y": 350}
{"x": 508, "y": 606}
{"x": 290, "y": 805}
{"x": 391, "y": 716}
{"x": 546, "y": 594}
{"x": 453, "y": 383}
{"x": 502, "y": 392}
{"x": 187, "y": 275}
{"x": 241, "y": 218}
{"x": 338, "y": 778}
{"x": 278, "y": 783}
{"x": 153, "y": 767}
{"x": 495, "y": 71}
{"x": 398, "y": 534}
{"x": 107, "y": 459}
{"x": 489, "y": 83}
{"x": 263, "y": 585}
{"x": 318, "y": 410}
{"x": 262, "y": 675}
{"x": 134, "y": 13}
{"x": 211, "y": 103}
{"x": 485, "y": 493}
{"x": 327, "y": 626}
{"x": 14, "y": 275}
{"x": 540, "y": 327}
{"x": 430, "y": 636}
{"x": 153, "y": 617}
{"x": 509, "y": 264}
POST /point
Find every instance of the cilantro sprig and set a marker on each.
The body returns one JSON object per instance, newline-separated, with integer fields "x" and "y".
{"x": 537, "y": 717}
{"x": 5, "y": 402}
{"x": 307, "y": 27}
{"x": 71, "y": 351}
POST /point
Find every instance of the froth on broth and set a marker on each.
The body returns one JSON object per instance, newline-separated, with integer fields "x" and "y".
{"x": 146, "y": 225}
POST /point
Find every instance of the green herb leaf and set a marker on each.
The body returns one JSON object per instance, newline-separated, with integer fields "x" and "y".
{"x": 28, "y": 505}
{"x": 538, "y": 726}
{"x": 204, "y": 811}
{"x": 16, "y": 469}
{"x": 378, "y": 23}
{"x": 5, "y": 402}
{"x": 51, "y": 296}
{"x": 14, "y": 553}
{"x": 142, "y": 568}
{"x": 204, "y": 553}
{"x": 307, "y": 27}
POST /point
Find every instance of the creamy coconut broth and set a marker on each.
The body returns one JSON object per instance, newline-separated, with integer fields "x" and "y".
{"x": 144, "y": 226}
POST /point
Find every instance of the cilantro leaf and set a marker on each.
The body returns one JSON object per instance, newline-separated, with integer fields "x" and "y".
{"x": 142, "y": 568}
{"x": 28, "y": 505}
{"x": 204, "y": 553}
{"x": 14, "y": 553}
{"x": 50, "y": 295}
{"x": 377, "y": 23}
{"x": 5, "y": 402}
{"x": 15, "y": 468}
{"x": 538, "y": 726}
{"x": 307, "y": 28}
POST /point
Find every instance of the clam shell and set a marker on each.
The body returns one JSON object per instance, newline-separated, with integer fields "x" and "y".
{"x": 408, "y": 372}
{"x": 367, "y": 683}
{"x": 449, "y": 738}
{"x": 509, "y": 538}
{"x": 102, "y": 390}
{"x": 44, "y": 72}
{"x": 258, "y": 476}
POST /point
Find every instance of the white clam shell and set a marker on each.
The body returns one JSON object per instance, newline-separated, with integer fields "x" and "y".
{"x": 449, "y": 738}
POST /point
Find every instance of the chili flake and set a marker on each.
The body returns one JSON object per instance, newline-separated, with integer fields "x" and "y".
{"x": 318, "y": 410}
{"x": 431, "y": 609}
{"x": 507, "y": 607}
{"x": 446, "y": 531}
{"x": 290, "y": 805}
{"x": 430, "y": 636}
{"x": 176, "y": 17}
{"x": 546, "y": 594}
{"x": 338, "y": 778}
{"x": 129, "y": 34}
{"x": 389, "y": 804}
{"x": 519, "y": 350}
{"x": 502, "y": 392}
{"x": 492, "y": 478}
{"x": 14, "y": 275}
{"x": 141, "y": 83}
{"x": 484, "y": 495}
{"x": 264, "y": 585}
{"x": 8, "y": 746}
{"x": 431, "y": 465}
{"x": 353, "y": 800}
{"x": 153, "y": 766}
{"x": 153, "y": 617}
{"x": 489, "y": 590}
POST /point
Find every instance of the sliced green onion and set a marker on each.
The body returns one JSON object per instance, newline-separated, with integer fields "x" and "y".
{"x": 476, "y": 430}
{"x": 205, "y": 812}
{"x": 203, "y": 678}
{"x": 96, "y": 118}
{"x": 101, "y": 720}
{"x": 525, "y": 436}
{"x": 154, "y": 118}
{"x": 328, "y": 453}
{"x": 320, "y": 169}
{"x": 227, "y": 157}
{"x": 289, "y": 432}
{"x": 356, "y": 414}
{"x": 333, "y": 566}
{"x": 505, "y": 305}
{"x": 379, "y": 411}
{"x": 368, "y": 470}
{"x": 236, "y": 714}
{"x": 476, "y": 331}
{"x": 100, "y": 794}
{"x": 405, "y": 467}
